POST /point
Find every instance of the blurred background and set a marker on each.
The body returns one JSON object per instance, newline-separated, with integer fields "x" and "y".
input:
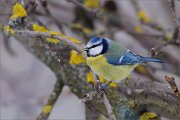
{"x": 26, "y": 83}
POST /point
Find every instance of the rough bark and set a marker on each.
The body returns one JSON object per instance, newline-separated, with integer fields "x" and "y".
{"x": 162, "y": 102}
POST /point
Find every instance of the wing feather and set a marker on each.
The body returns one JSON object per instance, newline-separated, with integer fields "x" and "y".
{"x": 128, "y": 58}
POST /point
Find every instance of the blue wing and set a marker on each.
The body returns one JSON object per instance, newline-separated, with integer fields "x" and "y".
{"x": 128, "y": 58}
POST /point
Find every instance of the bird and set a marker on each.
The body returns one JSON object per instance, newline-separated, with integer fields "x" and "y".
{"x": 111, "y": 60}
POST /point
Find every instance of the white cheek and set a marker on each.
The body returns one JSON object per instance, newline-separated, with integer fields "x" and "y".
{"x": 95, "y": 51}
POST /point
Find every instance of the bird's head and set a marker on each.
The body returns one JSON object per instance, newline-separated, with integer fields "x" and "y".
{"x": 96, "y": 46}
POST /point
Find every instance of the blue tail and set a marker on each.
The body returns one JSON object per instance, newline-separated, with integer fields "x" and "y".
{"x": 146, "y": 59}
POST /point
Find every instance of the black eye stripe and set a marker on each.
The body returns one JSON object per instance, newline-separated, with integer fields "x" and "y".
{"x": 94, "y": 46}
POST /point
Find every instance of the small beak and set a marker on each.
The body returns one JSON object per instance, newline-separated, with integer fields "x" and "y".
{"x": 86, "y": 49}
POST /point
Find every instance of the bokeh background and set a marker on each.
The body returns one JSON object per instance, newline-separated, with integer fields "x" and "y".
{"x": 26, "y": 83}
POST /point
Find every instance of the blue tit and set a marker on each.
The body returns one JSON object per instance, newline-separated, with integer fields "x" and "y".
{"x": 112, "y": 61}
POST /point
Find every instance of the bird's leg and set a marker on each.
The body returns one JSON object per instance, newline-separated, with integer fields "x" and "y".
{"x": 105, "y": 86}
{"x": 98, "y": 86}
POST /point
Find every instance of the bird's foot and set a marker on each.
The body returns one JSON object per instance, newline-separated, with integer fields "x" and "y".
{"x": 103, "y": 87}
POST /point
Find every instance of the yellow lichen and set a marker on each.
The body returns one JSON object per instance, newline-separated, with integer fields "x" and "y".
{"x": 101, "y": 79}
{"x": 76, "y": 25}
{"x": 89, "y": 77}
{"x": 73, "y": 39}
{"x": 169, "y": 36}
{"x": 87, "y": 31}
{"x": 1, "y": 27}
{"x": 132, "y": 103}
{"x": 68, "y": 37}
{"x": 147, "y": 116}
{"x": 91, "y": 3}
{"x": 39, "y": 28}
{"x": 18, "y": 11}
{"x": 142, "y": 69}
{"x": 138, "y": 29}
{"x": 83, "y": 29}
{"x": 100, "y": 117}
{"x": 142, "y": 15}
{"x": 47, "y": 109}
{"x": 113, "y": 85}
{"x": 56, "y": 33}
{"x": 9, "y": 30}
{"x": 52, "y": 40}
{"x": 76, "y": 58}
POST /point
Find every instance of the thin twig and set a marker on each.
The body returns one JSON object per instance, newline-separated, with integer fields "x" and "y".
{"x": 172, "y": 6}
{"x": 96, "y": 80}
{"x": 173, "y": 85}
{"x": 111, "y": 114}
{"x": 151, "y": 23}
{"x": 7, "y": 44}
{"x": 175, "y": 38}
{"x": 47, "y": 11}
{"x": 47, "y": 109}
{"x": 90, "y": 96}
{"x": 176, "y": 21}
{"x": 99, "y": 94}
{"x": 108, "y": 106}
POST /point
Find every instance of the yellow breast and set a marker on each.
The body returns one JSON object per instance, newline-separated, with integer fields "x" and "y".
{"x": 110, "y": 72}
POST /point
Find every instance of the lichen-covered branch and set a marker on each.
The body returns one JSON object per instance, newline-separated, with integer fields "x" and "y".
{"x": 105, "y": 100}
{"x": 132, "y": 96}
{"x": 171, "y": 81}
{"x": 165, "y": 101}
{"x": 91, "y": 113}
{"x": 100, "y": 94}
{"x": 108, "y": 106}
{"x": 44, "y": 35}
{"x": 172, "y": 6}
{"x": 176, "y": 33}
{"x": 77, "y": 83}
{"x": 47, "y": 109}
{"x": 110, "y": 112}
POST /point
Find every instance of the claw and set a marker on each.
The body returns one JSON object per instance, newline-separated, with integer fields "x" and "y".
{"x": 105, "y": 86}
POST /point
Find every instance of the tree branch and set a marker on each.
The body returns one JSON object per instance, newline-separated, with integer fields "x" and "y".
{"x": 151, "y": 96}
{"x": 176, "y": 21}
{"x": 33, "y": 40}
{"x": 105, "y": 100}
{"x": 108, "y": 108}
{"x": 77, "y": 47}
{"x": 47, "y": 109}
